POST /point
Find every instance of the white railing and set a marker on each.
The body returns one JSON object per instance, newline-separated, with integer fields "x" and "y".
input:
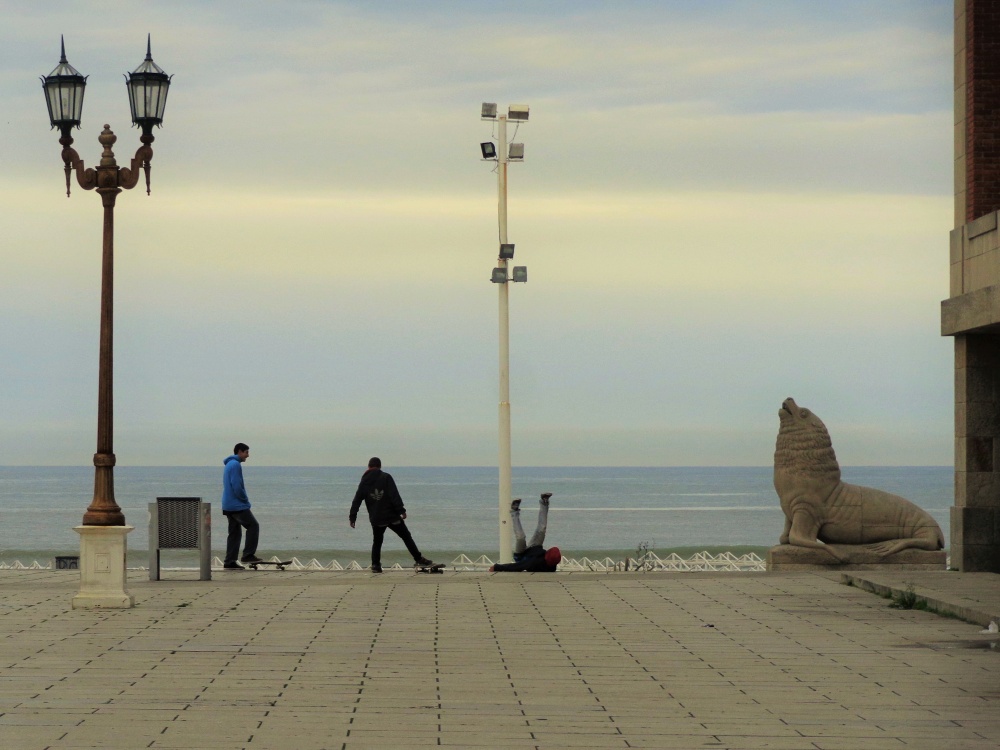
{"x": 648, "y": 562}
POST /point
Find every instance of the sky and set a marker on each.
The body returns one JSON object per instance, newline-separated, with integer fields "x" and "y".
{"x": 722, "y": 204}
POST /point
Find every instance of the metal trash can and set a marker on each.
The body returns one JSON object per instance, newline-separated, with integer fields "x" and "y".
{"x": 67, "y": 562}
{"x": 180, "y": 523}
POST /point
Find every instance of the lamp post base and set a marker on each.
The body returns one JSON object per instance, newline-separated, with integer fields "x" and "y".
{"x": 102, "y": 568}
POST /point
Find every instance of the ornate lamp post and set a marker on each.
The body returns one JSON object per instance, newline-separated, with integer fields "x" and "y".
{"x": 102, "y": 535}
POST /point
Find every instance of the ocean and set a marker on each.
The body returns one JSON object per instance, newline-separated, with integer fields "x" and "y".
{"x": 303, "y": 511}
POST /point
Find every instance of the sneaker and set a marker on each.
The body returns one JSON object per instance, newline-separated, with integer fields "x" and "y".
{"x": 515, "y": 506}
{"x": 250, "y": 559}
{"x": 545, "y": 498}
{"x": 376, "y": 568}
{"x": 424, "y": 561}
{"x": 233, "y": 566}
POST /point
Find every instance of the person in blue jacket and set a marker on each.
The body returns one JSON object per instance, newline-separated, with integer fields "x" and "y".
{"x": 236, "y": 508}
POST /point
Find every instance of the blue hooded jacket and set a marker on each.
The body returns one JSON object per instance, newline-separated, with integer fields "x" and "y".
{"x": 234, "y": 494}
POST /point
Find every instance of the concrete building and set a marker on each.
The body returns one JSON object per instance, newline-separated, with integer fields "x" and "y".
{"x": 972, "y": 312}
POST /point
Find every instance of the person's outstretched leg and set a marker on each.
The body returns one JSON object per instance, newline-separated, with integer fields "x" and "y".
{"x": 515, "y": 518}
{"x": 246, "y": 518}
{"x": 404, "y": 533}
{"x": 543, "y": 520}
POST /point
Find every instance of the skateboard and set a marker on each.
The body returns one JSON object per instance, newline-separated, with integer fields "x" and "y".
{"x": 280, "y": 565}
{"x": 435, "y": 568}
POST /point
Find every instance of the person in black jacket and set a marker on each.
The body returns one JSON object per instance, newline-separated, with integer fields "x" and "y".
{"x": 531, "y": 557}
{"x": 385, "y": 511}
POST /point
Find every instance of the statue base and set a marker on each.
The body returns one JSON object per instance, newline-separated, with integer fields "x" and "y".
{"x": 102, "y": 568}
{"x": 788, "y": 557}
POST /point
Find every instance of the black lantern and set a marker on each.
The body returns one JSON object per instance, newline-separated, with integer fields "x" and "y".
{"x": 147, "y": 92}
{"x": 63, "y": 89}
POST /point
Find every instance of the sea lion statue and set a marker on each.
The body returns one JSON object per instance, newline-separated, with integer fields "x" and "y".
{"x": 821, "y": 510}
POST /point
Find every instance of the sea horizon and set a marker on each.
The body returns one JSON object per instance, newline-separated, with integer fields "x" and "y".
{"x": 303, "y": 510}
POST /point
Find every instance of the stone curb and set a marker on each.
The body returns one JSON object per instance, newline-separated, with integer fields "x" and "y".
{"x": 971, "y": 614}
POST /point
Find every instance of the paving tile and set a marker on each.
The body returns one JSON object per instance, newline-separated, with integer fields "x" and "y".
{"x": 469, "y": 660}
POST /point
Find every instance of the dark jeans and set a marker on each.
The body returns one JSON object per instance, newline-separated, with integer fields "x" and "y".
{"x": 538, "y": 538}
{"x": 239, "y": 520}
{"x": 378, "y": 533}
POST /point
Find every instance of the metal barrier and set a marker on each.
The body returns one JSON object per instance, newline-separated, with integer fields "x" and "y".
{"x": 180, "y": 523}
{"x": 67, "y": 562}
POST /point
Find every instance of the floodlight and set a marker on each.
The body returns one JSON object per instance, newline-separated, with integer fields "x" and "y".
{"x": 516, "y": 151}
{"x": 520, "y": 273}
{"x": 507, "y": 251}
{"x": 489, "y": 150}
{"x": 518, "y": 112}
{"x": 499, "y": 276}
{"x": 489, "y": 111}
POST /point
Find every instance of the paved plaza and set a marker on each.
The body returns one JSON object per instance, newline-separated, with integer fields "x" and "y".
{"x": 304, "y": 660}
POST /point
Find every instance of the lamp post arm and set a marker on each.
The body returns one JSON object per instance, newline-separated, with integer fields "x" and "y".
{"x": 72, "y": 161}
{"x": 128, "y": 177}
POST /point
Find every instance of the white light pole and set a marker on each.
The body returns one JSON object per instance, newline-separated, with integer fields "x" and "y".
{"x": 503, "y": 156}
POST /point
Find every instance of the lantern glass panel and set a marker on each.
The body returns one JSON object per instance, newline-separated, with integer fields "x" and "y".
{"x": 147, "y": 98}
{"x": 64, "y": 88}
{"x": 147, "y": 92}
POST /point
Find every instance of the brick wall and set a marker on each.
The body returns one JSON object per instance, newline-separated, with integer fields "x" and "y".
{"x": 982, "y": 101}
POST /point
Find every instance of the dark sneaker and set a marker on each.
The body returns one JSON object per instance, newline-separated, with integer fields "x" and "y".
{"x": 515, "y": 506}
{"x": 233, "y": 566}
{"x": 250, "y": 559}
{"x": 545, "y": 498}
{"x": 376, "y": 568}
{"x": 424, "y": 561}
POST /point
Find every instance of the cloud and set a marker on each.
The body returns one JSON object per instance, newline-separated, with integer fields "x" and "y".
{"x": 721, "y": 205}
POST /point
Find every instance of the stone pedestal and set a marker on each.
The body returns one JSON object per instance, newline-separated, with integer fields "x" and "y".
{"x": 102, "y": 568}
{"x": 787, "y": 557}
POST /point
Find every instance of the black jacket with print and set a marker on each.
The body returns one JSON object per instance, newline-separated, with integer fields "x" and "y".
{"x": 378, "y": 490}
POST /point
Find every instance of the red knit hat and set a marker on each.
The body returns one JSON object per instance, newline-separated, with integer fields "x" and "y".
{"x": 553, "y": 556}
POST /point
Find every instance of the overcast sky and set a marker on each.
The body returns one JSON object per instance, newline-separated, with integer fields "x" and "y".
{"x": 722, "y": 204}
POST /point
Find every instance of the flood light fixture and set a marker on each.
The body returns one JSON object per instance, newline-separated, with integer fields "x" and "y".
{"x": 499, "y": 275}
{"x": 516, "y": 152}
{"x": 507, "y": 251}
{"x": 520, "y": 273}
{"x": 488, "y": 149}
{"x": 518, "y": 112}
{"x": 489, "y": 111}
